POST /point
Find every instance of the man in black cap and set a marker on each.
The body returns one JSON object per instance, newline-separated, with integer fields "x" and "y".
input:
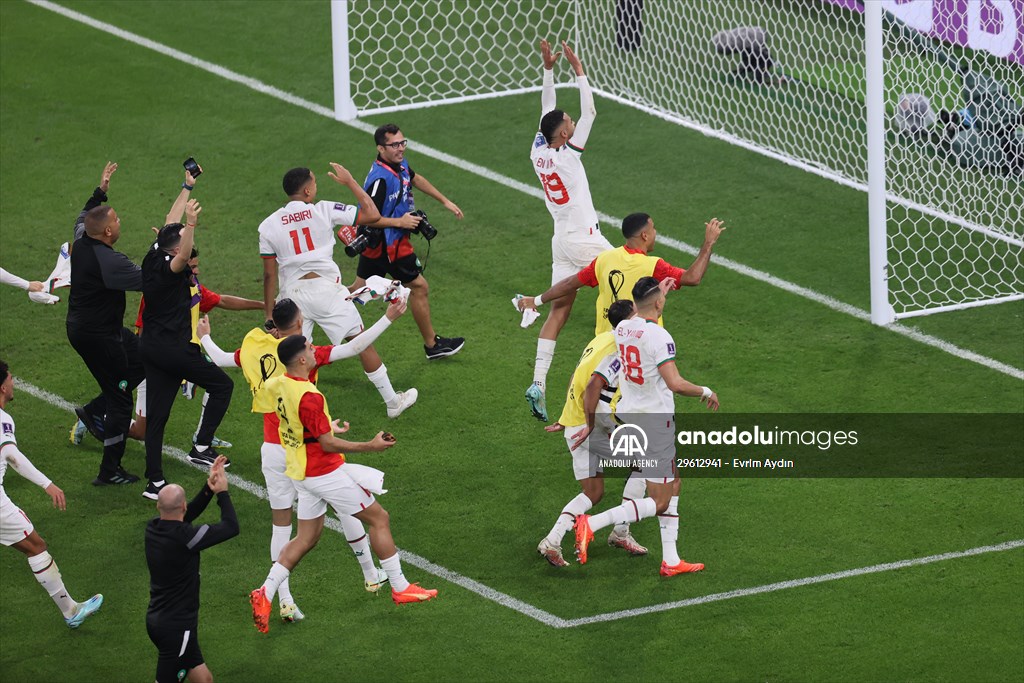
{"x": 96, "y": 330}
{"x": 170, "y": 347}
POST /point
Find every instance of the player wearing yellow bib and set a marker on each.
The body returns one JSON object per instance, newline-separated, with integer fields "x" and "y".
{"x": 592, "y": 390}
{"x": 257, "y": 357}
{"x": 315, "y": 462}
{"x": 616, "y": 271}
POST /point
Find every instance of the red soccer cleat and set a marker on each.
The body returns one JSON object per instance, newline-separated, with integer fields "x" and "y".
{"x": 683, "y": 567}
{"x": 413, "y": 594}
{"x": 260, "y": 609}
{"x": 583, "y": 537}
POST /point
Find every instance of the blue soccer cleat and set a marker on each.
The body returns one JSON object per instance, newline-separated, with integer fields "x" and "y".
{"x": 535, "y": 397}
{"x": 85, "y": 610}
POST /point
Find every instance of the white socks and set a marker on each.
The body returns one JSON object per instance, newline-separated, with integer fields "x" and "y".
{"x": 359, "y": 541}
{"x": 627, "y": 513}
{"x": 380, "y": 379}
{"x": 279, "y": 537}
{"x": 202, "y": 413}
{"x": 393, "y": 567}
{"x": 541, "y": 365}
{"x": 567, "y": 518}
{"x": 670, "y": 532}
{"x": 48, "y": 576}
{"x": 278, "y": 574}
{"x": 633, "y": 490}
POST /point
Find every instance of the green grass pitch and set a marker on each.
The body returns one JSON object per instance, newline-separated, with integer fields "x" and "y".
{"x": 475, "y": 482}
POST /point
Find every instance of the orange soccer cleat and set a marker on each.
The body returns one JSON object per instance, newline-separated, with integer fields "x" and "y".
{"x": 260, "y": 609}
{"x": 683, "y": 567}
{"x": 413, "y": 594}
{"x": 583, "y": 537}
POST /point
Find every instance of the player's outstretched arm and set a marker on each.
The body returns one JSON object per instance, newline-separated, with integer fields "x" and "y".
{"x": 362, "y": 341}
{"x": 588, "y": 111}
{"x": 670, "y": 373}
{"x": 237, "y": 303}
{"x": 9, "y": 278}
{"x": 547, "y": 92}
{"x": 695, "y": 273}
{"x": 557, "y": 291}
{"x": 332, "y": 444}
{"x": 368, "y": 212}
{"x": 99, "y": 195}
{"x": 20, "y": 462}
{"x": 220, "y": 358}
{"x": 188, "y": 236}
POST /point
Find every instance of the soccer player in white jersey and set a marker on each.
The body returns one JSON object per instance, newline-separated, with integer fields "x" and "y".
{"x": 577, "y": 240}
{"x": 649, "y": 379}
{"x": 297, "y": 246}
{"x": 16, "y": 528}
{"x": 587, "y": 421}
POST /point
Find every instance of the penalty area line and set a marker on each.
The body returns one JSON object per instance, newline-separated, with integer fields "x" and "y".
{"x": 332, "y": 523}
{"x": 475, "y": 169}
{"x": 543, "y": 616}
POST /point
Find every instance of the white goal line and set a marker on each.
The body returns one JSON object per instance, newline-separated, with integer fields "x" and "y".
{"x": 277, "y": 93}
{"x": 543, "y": 616}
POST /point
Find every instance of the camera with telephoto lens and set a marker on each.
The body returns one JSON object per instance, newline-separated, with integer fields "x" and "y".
{"x": 425, "y": 228}
{"x": 365, "y": 238}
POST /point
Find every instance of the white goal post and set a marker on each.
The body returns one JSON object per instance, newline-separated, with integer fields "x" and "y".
{"x": 919, "y": 103}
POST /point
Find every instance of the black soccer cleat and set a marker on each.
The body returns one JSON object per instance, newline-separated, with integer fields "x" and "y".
{"x": 206, "y": 458}
{"x": 116, "y": 479}
{"x": 444, "y": 346}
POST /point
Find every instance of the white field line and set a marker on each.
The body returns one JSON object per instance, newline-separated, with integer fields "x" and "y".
{"x": 547, "y": 618}
{"x": 332, "y": 523}
{"x": 263, "y": 88}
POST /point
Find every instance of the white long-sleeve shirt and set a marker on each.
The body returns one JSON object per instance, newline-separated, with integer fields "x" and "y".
{"x": 10, "y": 455}
{"x": 9, "y": 278}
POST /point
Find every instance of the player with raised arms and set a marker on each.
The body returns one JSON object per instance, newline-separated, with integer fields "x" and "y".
{"x": 577, "y": 239}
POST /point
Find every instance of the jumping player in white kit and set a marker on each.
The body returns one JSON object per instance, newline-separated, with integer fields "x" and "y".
{"x": 556, "y": 157}
{"x": 297, "y": 246}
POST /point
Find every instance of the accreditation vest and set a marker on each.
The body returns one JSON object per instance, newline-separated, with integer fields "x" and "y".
{"x": 617, "y": 271}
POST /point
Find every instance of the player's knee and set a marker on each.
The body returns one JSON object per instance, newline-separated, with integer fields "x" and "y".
{"x": 660, "y": 504}
{"x": 420, "y": 285}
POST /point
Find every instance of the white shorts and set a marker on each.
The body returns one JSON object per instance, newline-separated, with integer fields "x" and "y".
{"x": 571, "y": 252}
{"x": 140, "y": 399}
{"x": 280, "y": 487}
{"x": 15, "y": 525}
{"x": 586, "y": 460}
{"x": 322, "y": 301}
{"x": 336, "y": 489}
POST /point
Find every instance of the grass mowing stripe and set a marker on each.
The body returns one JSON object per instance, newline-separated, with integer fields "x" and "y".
{"x": 413, "y": 559}
{"x": 796, "y": 583}
{"x": 543, "y": 616}
{"x": 264, "y": 88}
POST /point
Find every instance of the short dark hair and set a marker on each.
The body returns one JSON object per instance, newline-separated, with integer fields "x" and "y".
{"x": 295, "y": 179}
{"x": 290, "y": 348}
{"x": 619, "y": 311}
{"x": 380, "y": 136}
{"x": 169, "y": 236}
{"x": 194, "y": 254}
{"x": 634, "y": 223}
{"x": 284, "y": 314}
{"x": 4, "y": 371}
{"x": 644, "y": 289}
{"x": 550, "y": 122}
{"x": 96, "y": 218}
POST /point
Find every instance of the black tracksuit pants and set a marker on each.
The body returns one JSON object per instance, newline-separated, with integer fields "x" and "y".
{"x": 167, "y": 364}
{"x": 116, "y": 363}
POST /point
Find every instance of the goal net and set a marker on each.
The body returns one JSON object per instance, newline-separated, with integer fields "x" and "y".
{"x": 785, "y": 78}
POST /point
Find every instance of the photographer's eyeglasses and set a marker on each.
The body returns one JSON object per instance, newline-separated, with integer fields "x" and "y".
{"x": 401, "y": 144}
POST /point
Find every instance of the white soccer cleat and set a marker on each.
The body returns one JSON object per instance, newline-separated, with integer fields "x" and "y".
{"x": 626, "y": 542}
{"x": 552, "y": 553}
{"x": 404, "y": 400}
{"x": 291, "y": 613}
{"x": 382, "y": 578}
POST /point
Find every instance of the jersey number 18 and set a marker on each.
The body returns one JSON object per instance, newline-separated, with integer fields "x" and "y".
{"x": 630, "y": 356}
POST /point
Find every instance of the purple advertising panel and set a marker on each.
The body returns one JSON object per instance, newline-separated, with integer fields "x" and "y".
{"x": 996, "y": 26}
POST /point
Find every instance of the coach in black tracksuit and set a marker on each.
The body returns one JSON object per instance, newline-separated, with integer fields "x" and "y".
{"x": 172, "y": 553}
{"x": 170, "y": 347}
{"x": 95, "y": 327}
